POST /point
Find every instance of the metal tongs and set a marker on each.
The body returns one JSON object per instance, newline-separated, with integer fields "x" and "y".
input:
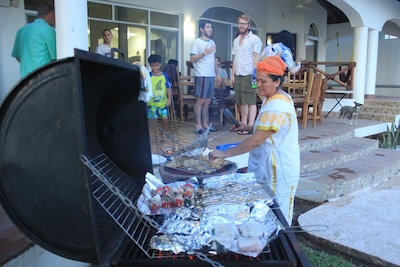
{"x": 201, "y": 141}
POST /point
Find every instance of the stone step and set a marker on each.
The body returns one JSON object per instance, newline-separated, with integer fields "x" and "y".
{"x": 394, "y": 118}
{"x": 311, "y": 142}
{"x": 351, "y": 176}
{"x": 381, "y": 102}
{"x": 380, "y": 109}
{"x": 336, "y": 154}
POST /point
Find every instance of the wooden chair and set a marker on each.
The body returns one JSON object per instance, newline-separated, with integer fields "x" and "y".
{"x": 225, "y": 99}
{"x": 185, "y": 100}
{"x": 310, "y": 100}
{"x": 296, "y": 83}
{"x": 180, "y": 85}
{"x": 324, "y": 86}
{"x": 173, "y": 75}
{"x": 228, "y": 101}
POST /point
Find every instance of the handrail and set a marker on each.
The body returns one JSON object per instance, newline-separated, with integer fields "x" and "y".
{"x": 343, "y": 77}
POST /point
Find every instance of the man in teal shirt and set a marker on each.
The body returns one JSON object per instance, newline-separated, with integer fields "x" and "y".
{"x": 35, "y": 43}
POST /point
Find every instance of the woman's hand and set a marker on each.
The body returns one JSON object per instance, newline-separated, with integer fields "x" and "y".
{"x": 216, "y": 154}
{"x": 242, "y": 127}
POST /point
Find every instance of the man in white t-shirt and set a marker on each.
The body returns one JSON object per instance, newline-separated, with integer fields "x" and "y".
{"x": 202, "y": 54}
{"x": 246, "y": 53}
{"x": 105, "y": 48}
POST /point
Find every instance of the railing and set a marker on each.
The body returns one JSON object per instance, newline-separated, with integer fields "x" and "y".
{"x": 343, "y": 77}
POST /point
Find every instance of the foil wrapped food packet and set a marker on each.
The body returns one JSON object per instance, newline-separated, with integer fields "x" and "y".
{"x": 160, "y": 198}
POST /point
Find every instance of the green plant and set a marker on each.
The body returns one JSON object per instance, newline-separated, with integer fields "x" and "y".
{"x": 391, "y": 138}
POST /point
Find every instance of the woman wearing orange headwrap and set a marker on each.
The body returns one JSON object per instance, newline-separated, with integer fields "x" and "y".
{"x": 273, "y": 146}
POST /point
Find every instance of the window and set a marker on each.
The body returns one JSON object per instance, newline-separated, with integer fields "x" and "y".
{"x": 164, "y": 43}
{"x": 131, "y": 15}
{"x": 162, "y": 19}
{"x": 101, "y": 11}
{"x": 135, "y": 29}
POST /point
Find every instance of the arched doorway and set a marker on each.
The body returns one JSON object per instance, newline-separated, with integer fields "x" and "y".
{"x": 312, "y": 43}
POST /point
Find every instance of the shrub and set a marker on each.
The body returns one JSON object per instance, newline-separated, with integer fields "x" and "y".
{"x": 391, "y": 138}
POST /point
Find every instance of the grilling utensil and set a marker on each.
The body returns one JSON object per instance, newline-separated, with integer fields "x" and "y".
{"x": 200, "y": 141}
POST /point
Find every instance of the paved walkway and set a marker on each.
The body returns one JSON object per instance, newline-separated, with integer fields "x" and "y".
{"x": 364, "y": 224}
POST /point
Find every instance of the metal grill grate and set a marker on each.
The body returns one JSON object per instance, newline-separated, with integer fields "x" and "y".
{"x": 280, "y": 252}
{"x": 114, "y": 191}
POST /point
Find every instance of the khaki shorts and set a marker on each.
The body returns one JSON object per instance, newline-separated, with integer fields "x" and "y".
{"x": 244, "y": 94}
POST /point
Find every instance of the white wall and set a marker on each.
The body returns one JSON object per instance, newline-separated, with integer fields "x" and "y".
{"x": 388, "y": 69}
{"x": 12, "y": 18}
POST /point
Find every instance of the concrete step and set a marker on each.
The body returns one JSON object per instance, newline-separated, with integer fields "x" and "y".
{"x": 381, "y": 102}
{"x": 380, "y": 110}
{"x": 336, "y": 154}
{"x": 394, "y": 118}
{"x": 350, "y": 176}
{"x": 312, "y": 142}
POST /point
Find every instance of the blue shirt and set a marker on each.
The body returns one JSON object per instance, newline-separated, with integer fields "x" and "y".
{"x": 34, "y": 46}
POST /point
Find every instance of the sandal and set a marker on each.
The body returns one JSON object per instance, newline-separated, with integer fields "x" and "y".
{"x": 244, "y": 132}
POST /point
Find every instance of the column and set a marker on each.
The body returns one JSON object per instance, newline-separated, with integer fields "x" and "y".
{"x": 372, "y": 58}
{"x": 123, "y": 39}
{"x": 71, "y": 26}
{"x": 300, "y": 47}
{"x": 360, "y": 57}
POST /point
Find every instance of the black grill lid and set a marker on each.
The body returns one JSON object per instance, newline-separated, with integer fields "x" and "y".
{"x": 85, "y": 104}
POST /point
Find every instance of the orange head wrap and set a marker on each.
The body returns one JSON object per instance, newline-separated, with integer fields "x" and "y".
{"x": 272, "y": 65}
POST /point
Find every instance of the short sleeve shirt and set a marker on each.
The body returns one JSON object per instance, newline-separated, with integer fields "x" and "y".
{"x": 34, "y": 46}
{"x": 205, "y": 66}
{"x": 223, "y": 73}
{"x": 244, "y": 53}
{"x": 160, "y": 85}
{"x": 104, "y": 50}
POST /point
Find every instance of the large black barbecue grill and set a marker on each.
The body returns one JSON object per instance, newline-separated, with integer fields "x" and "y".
{"x": 74, "y": 152}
